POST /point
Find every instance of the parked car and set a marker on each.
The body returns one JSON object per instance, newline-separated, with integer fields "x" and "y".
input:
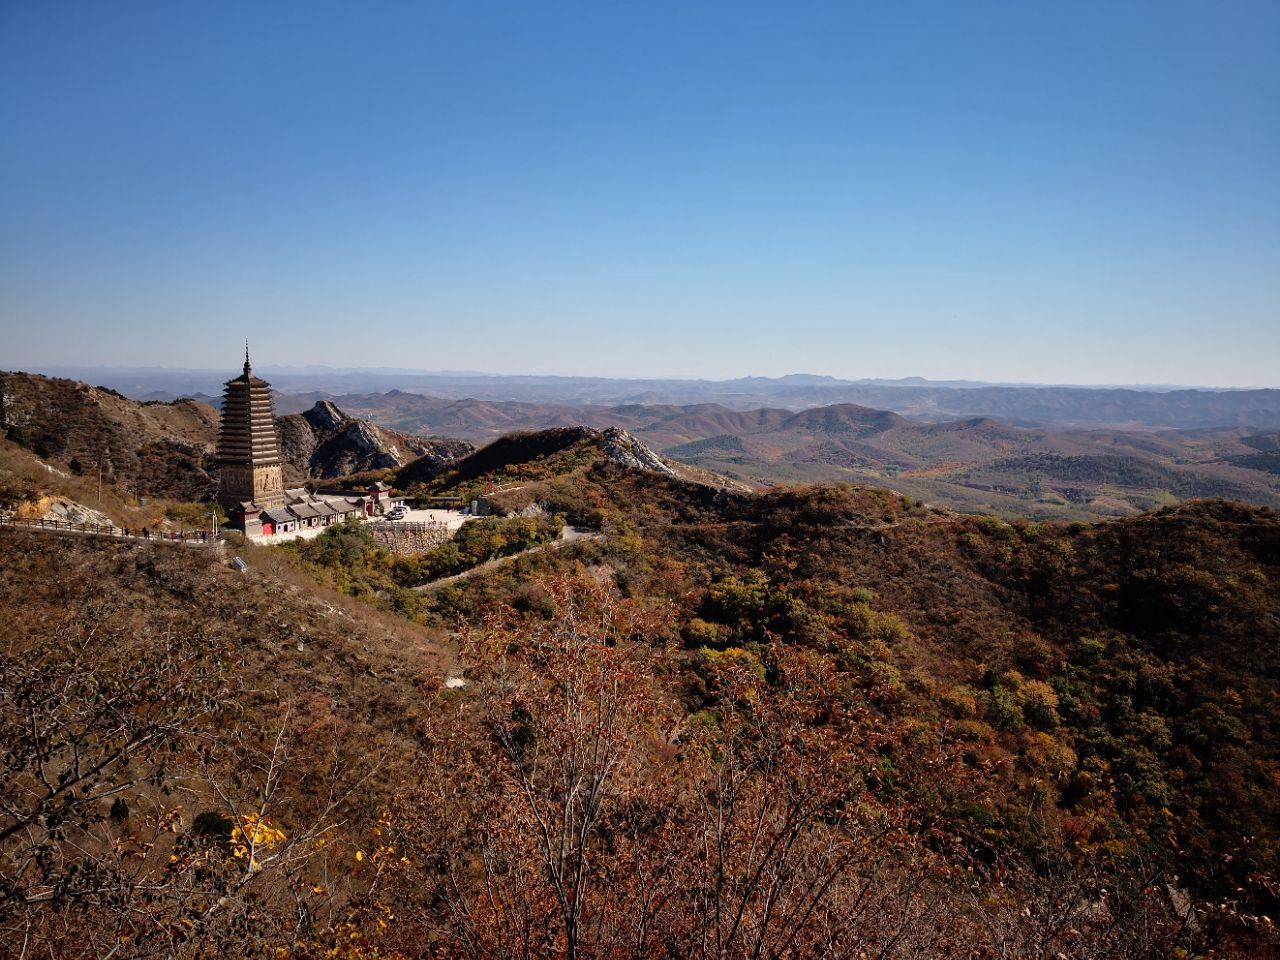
{"x": 396, "y": 514}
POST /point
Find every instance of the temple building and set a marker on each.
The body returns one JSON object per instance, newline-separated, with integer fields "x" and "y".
{"x": 250, "y": 471}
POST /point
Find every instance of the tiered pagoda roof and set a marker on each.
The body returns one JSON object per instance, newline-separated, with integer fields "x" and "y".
{"x": 248, "y": 433}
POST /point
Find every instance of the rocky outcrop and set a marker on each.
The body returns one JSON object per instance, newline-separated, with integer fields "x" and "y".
{"x": 621, "y": 448}
{"x": 68, "y": 511}
{"x": 325, "y": 443}
{"x": 540, "y": 451}
{"x": 325, "y": 415}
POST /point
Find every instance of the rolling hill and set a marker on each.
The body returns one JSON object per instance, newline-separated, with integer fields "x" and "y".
{"x": 156, "y": 449}
{"x": 977, "y": 463}
{"x": 895, "y": 729}
{"x": 1109, "y": 685}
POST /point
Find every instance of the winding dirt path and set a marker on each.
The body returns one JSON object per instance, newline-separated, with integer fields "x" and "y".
{"x": 568, "y": 535}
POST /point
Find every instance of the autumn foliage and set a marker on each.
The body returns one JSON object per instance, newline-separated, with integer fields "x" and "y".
{"x": 817, "y": 723}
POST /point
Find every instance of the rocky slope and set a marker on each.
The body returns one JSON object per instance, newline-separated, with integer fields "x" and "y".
{"x": 324, "y": 443}
{"x": 153, "y": 449}
{"x": 544, "y": 452}
{"x": 621, "y": 448}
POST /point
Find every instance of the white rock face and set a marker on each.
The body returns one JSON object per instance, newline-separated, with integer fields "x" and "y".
{"x": 363, "y": 436}
{"x": 326, "y": 415}
{"x": 626, "y": 451}
{"x": 72, "y": 512}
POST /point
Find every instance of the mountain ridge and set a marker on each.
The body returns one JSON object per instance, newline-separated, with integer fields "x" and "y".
{"x": 1048, "y": 404}
{"x": 978, "y": 463}
{"x": 167, "y": 449}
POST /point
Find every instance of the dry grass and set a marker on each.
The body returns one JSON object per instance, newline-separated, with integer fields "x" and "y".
{"x": 31, "y": 484}
{"x": 340, "y": 665}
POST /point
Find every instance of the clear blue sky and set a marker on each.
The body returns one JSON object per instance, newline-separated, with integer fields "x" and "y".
{"x": 1074, "y": 192}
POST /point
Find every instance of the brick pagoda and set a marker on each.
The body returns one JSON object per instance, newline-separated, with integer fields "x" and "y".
{"x": 250, "y": 472}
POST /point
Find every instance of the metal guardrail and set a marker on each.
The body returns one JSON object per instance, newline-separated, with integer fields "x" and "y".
{"x": 110, "y": 530}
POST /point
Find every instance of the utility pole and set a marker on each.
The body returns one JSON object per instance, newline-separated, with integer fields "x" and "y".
{"x": 105, "y": 458}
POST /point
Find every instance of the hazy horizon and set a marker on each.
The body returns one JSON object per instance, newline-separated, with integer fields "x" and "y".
{"x": 1054, "y": 194}
{"x": 73, "y": 369}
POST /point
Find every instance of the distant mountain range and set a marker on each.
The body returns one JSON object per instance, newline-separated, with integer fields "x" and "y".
{"x": 1025, "y": 405}
{"x": 1226, "y": 444}
{"x": 971, "y": 463}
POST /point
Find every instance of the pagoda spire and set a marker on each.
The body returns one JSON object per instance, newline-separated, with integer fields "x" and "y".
{"x": 248, "y": 371}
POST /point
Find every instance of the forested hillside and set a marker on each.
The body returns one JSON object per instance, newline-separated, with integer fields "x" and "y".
{"x": 1124, "y": 673}
{"x": 827, "y": 721}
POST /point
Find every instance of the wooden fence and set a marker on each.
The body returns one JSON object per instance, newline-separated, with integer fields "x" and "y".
{"x": 110, "y": 530}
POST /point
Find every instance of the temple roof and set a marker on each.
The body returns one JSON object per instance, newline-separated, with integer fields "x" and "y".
{"x": 247, "y": 432}
{"x": 249, "y": 378}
